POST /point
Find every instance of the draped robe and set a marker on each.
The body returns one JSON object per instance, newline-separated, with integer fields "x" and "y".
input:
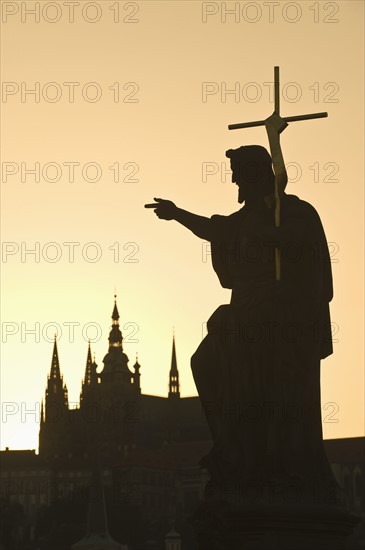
{"x": 257, "y": 371}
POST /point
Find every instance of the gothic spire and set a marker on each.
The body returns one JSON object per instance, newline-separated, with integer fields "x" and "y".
{"x": 55, "y": 373}
{"x": 115, "y": 335}
{"x": 90, "y": 376}
{"x": 115, "y": 314}
{"x": 87, "y": 376}
{"x": 56, "y": 391}
{"x": 137, "y": 375}
{"x": 174, "y": 386}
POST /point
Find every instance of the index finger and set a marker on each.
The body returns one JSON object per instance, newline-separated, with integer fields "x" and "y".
{"x": 151, "y": 205}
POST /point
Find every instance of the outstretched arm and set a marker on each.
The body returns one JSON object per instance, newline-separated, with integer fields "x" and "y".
{"x": 167, "y": 210}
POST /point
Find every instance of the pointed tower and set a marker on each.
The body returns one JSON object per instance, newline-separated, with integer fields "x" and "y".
{"x": 174, "y": 386}
{"x": 115, "y": 335}
{"x": 56, "y": 392}
{"x": 116, "y": 361}
{"x": 137, "y": 376}
{"x": 90, "y": 380}
{"x": 54, "y": 412}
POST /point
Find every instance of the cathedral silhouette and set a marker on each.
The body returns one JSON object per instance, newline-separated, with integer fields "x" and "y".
{"x": 114, "y": 415}
{"x": 141, "y": 451}
{"x": 123, "y": 466}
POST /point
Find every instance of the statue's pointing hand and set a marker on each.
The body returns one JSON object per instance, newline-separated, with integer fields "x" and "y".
{"x": 275, "y": 121}
{"x": 164, "y": 209}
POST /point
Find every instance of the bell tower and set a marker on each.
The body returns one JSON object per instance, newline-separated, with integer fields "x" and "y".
{"x": 116, "y": 369}
{"x": 118, "y": 392}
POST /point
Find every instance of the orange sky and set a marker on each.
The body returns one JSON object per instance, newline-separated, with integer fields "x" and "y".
{"x": 173, "y": 65}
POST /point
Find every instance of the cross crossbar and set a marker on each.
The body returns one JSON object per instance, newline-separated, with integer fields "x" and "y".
{"x": 294, "y": 118}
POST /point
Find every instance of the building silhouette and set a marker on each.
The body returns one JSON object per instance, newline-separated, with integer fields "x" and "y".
{"x": 144, "y": 448}
{"x": 114, "y": 415}
{"x": 140, "y": 453}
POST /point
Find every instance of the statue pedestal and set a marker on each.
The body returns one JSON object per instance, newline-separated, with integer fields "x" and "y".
{"x": 223, "y": 525}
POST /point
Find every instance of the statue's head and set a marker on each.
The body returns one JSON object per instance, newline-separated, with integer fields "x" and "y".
{"x": 252, "y": 171}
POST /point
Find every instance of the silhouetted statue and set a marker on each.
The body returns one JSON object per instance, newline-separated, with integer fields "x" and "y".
{"x": 258, "y": 369}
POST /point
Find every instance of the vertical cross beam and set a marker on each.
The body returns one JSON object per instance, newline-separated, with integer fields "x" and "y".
{"x": 277, "y": 89}
{"x": 277, "y": 196}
